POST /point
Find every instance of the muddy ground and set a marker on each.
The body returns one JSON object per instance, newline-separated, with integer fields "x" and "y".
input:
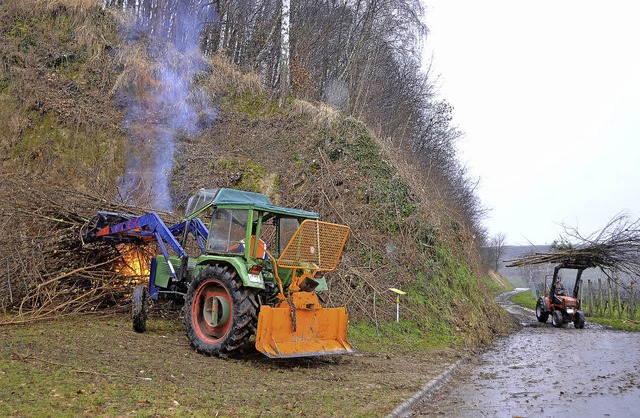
{"x": 542, "y": 371}
{"x": 96, "y": 366}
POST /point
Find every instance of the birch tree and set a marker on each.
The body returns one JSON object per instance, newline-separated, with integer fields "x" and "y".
{"x": 285, "y": 81}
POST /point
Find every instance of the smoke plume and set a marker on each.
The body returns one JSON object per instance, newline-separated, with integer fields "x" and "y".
{"x": 161, "y": 60}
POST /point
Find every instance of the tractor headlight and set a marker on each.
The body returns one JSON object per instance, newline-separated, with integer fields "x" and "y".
{"x": 571, "y": 311}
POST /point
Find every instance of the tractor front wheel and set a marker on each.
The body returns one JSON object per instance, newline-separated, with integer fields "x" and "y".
{"x": 140, "y": 308}
{"x": 579, "y": 320}
{"x": 219, "y": 313}
{"x": 557, "y": 319}
{"x": 541, "y": 314}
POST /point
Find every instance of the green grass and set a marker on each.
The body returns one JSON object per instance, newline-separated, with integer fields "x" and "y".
{"x": 620, "y": 324}
{"x": 254, "y": 105}
{"x": 495, "y": 288}
{"x": 405, "y": 336}
{"x": 250, "y": 173}
{"x": 49, "y": 146}
{"x": 525, "y": 299}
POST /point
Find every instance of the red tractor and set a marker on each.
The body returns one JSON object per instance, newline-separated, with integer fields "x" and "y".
{"x": 564, "y": 307}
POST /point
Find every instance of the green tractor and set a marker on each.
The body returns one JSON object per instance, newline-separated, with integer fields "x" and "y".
{"x": 249, "y": 278}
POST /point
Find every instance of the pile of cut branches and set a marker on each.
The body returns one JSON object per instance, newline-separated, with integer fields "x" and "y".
{"x": 49, "y": 270}
{"x": 615, "y": 249}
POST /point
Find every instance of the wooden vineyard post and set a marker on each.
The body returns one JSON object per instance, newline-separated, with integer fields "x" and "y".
{"x": 601, "y": 299}
{"x": 619, "y": 303}
{"x": 591, "y": 301}
{"x": 632, "y": 308}
{"x": 610, "y": 298}
{"x": 581, "y": 293}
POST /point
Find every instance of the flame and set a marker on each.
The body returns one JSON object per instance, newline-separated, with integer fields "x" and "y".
{"x": 134, "y": 266}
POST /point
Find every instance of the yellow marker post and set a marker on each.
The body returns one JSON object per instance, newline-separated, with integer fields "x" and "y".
{"x": 398, "y": 292}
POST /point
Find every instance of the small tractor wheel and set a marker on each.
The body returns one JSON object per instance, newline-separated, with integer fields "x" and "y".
{"x": 541, "y": 314}
{"x": 557, "y": 319}
{"x": 219, "y": 313}
{"x": 579, "y": 321}
{"x": 140, "y": 308}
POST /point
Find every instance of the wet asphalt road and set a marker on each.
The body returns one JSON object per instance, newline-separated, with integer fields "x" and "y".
{"x": 542, "y": 371}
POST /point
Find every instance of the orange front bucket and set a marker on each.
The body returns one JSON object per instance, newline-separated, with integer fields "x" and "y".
{"x": 318, "y": 331}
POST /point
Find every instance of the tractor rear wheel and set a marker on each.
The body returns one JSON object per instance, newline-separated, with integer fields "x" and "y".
{"x": 557, "y": 319}
{"x": 219, "y": 313}
{"x": 541, "y": 314}
{"x": 579, "y": 320}
{"x": 140, "y": 308}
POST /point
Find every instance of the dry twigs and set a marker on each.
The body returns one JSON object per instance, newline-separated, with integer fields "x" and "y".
{"x": 615, "y": 249}
{"x": 49, "y": 270}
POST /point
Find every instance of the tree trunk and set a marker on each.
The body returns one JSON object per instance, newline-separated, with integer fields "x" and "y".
{"x": 284, "y": 81}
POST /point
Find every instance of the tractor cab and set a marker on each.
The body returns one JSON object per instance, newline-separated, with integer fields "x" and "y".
{"x": 249, "y": 228}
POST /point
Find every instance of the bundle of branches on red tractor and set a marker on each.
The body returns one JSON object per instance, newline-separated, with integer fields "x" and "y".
{"x": 253, "y": 280}
{"x": 615, "y": 250}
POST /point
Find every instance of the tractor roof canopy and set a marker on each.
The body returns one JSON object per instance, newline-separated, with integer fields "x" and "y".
{"x": 239, "y": 199}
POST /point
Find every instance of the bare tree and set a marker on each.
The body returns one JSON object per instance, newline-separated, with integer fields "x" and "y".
{"x": 495, "y": 251}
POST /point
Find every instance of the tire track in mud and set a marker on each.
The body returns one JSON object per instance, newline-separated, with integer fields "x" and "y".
{"x": 542, "y": 371}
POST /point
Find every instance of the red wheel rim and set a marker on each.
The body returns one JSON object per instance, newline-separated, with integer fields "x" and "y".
{"x": 211, "y": 313}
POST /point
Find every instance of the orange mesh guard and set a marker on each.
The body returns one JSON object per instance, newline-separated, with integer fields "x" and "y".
{"x": 315, "y": 245}
{"x": 299, "y": 326}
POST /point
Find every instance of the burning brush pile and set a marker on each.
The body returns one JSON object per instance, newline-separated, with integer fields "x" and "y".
{"x": 49, "y": 270}
{"x": 615, "y": 249}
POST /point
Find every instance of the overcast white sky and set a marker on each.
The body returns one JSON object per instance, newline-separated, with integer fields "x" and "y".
{"x": 548, "y": 95}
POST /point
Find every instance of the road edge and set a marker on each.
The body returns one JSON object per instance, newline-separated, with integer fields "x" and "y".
{"x": 439, "y": 381}
{"x": 427, "y": 389}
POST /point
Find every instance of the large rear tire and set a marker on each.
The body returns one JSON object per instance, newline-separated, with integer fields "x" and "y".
{"x": 541, "y": 314}
{"x": 140, "y": 308}
{"x": 557, "y": 319}
{"x": 219, "y": 313}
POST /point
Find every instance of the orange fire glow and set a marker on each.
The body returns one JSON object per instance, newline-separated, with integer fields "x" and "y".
{"x": 134, "y": 265}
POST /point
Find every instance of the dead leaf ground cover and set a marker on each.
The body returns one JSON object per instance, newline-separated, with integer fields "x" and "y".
{"x": 97, "y": 366}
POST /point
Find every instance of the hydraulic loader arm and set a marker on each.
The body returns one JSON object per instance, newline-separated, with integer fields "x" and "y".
{"x": 145, "y": 228}
{"x": 193, "y": 226}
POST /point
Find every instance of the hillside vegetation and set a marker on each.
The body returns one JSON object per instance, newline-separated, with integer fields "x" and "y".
{"x": 67, "y": 80}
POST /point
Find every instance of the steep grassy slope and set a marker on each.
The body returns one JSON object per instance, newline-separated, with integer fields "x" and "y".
{"x": 59, "y": 82}
{"x": 56, "y": 73}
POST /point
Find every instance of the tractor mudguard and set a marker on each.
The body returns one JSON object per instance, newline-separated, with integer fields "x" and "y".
{"x": 546, "y": 304}
{"x": 238, "y": 264}
{"x": 305, "y": 330}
